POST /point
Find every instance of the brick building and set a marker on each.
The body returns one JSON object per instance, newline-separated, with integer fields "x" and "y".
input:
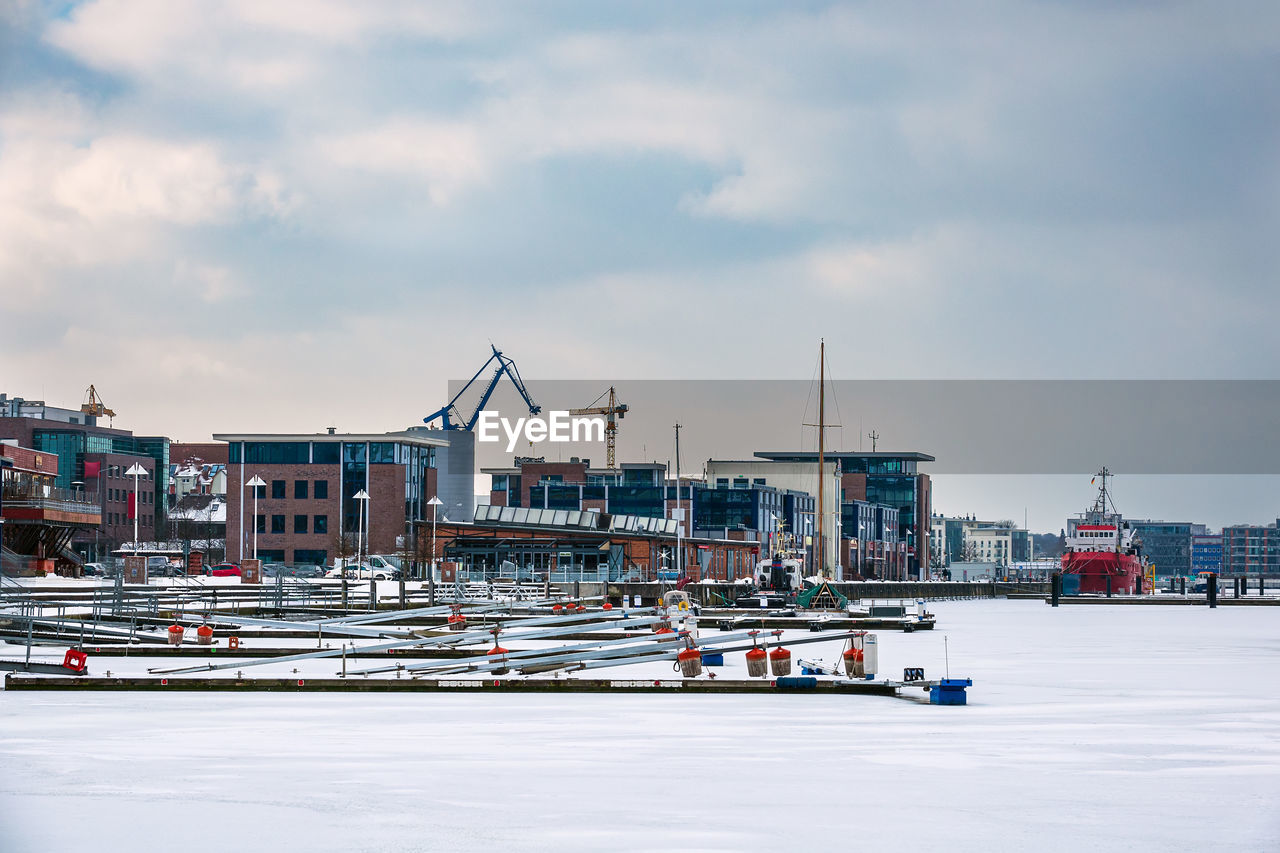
{"x": 1251, "y": 549}
{"x": 38, "y": 519}
{"x": 92, "y": 460}
{"x": 307, "y": 512}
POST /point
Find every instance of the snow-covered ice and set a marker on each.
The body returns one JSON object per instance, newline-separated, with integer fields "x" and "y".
{"x": 1088, "y": 728}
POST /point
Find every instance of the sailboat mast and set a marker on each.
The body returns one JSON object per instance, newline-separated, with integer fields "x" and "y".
{"x": 822, "y": 399}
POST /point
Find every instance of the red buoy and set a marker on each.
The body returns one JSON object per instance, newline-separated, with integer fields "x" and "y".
{"x": 581, "y": 608}
{"x": 780, "y": 662}
{"x": 664, "y": 630}
{"x": 497, "y": 650}
{"x": 607, "y": 606}
{"x": 175, "y": 635}
{"x": 757, "y": 663}
{"x": 556, "y": 608}
{"x": 690, "y": 662}
{"x": 853, "y": 663}
{"x": 204, "y": 635}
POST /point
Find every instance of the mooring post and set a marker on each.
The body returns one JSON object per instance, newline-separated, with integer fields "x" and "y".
{"x": 1183, "y": 583}
{"x": 1108, "y": 586}
{"x": 431, "y": 589}
{"x": 1262, "y": 588}
{"x": 1211, "y": 590}
{"x": 1237, "y": 585}
{"x": 577, "y": 590}
{"x": 1055, "y": 588}
{"x": 344, "y": 590}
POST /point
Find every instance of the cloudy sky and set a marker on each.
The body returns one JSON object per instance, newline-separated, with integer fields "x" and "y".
{"x": 280, "y": 216}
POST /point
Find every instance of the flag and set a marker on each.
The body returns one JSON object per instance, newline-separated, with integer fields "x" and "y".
{"x": 1091, "y": 481}
{"x": 92, "y": 469}
{"x": 133, "y": 501}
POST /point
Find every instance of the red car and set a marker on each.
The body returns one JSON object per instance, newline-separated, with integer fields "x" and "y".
{"x": 225, "y": 570}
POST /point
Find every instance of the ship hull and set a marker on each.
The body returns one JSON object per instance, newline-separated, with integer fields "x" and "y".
{"x": 1088, "y": 571}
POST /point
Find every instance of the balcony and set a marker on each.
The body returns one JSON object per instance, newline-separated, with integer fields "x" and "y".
{"x": 36, "y": 504}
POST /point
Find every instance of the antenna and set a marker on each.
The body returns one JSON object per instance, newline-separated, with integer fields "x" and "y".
{"x": 946, "y": 655}
{"x": 874, "y": 436}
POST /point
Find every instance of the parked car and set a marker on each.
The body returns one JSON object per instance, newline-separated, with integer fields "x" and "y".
{"x": 95, "y": 570}
{"x": 224, "y": 570}
{"x": 363, "y": 572}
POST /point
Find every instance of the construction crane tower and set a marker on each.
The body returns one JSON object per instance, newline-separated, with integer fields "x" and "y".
{"x": 612, "y": 411}
{"x": 94, "y": 406}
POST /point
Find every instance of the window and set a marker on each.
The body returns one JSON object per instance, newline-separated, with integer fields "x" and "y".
{"x": 300, "y": 490}
{"x": 299, "y": 524}
{"x": 277, "y": 489}
{"x": 277, "y": 452}
{"x": 322, "y": 490}
{"x": 308, "y": 556}
{"x": 382, "y": 453}
{"x": 262, "y": 524}
{"x": 325, "y": 453}
{"x": 320, "y": 524}
{"x": 277, "y": 524}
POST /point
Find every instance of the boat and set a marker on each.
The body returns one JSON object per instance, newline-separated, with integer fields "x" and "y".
{"x": 1103, "y": 555}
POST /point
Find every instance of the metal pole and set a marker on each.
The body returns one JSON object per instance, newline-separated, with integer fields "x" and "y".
{"x": 255, "y": 522}
{"x": 135, "y": 509}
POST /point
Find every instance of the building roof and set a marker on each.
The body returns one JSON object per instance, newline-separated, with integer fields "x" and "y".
{"x": 398, "y": 437}
{"x": 812, "y": 455}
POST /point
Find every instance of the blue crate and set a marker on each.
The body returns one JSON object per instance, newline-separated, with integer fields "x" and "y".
{"x": 950, "y": 691}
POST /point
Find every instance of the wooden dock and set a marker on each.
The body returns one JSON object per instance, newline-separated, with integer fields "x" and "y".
{"x": 792, "y": 684}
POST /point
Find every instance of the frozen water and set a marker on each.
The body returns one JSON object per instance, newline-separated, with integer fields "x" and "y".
{"x": 1089, "y": 727}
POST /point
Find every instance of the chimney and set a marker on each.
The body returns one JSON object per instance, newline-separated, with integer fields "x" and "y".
{"x": 332, "y": 430}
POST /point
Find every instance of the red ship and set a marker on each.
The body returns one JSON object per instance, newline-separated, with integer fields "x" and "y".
{"x": 1102, "y": 555}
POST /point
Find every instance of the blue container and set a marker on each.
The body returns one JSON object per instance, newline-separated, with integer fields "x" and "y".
{"x": 712, "y": 660}
{"x": 1070, "y": 584}
{"x": 949, "y": 691}
{"x": 796, "y": 682}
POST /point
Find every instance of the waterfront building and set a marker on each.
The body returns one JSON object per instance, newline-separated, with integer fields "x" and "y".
{"x": 307, "y": 511}
{"x": 1250, "y": 549}
{"x": 1206, "y": 553}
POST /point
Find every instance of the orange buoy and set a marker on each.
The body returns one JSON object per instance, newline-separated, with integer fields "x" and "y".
{"x": 607, "y": 606}
{"x": 690, "y": 663}
{"x": 664, "y": 630}
{"x": 497, "y": 650}
{"x": 581, "y": 608}
{"x": 556, "y": 608}
{"x": 757, "y": 663}
{"x": 175, "y": 635}
{"x": 204, "y": 635}
{"x": 780, "y": 662}
{"x": 853, "y": 663}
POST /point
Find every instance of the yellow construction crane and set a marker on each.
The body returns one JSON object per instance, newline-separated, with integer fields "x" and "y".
{"x": 94, "y": 406}
{"x": 613, "y": 410}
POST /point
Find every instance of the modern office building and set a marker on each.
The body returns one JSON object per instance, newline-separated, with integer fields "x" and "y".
{"x": 1167, "y": 544}
{"x": 887, "y": 478}
{"x": 94, "y": 460}
{"x": 1249, "y": 549}
{"x": 633, "y": 488}
{"x": 872, "y": 547}
{"x": 1206, "y": 553}
{"x": 308, "y": 512}
{"x": 796, "y": 477}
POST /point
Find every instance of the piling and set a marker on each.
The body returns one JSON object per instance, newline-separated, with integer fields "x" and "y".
{"x": 1056, "y": 592}
{"x": 1108, "y": 586}
{"x": 1211, "y": 590}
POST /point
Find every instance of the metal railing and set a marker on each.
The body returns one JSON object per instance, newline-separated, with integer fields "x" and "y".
{"x": 50, "y": 497}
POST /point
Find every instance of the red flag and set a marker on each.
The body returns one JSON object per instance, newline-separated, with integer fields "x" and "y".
{"x": 133, "y": 500}
{"x": 92, "y": 469}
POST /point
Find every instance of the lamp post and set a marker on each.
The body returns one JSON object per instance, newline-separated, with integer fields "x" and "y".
{"x": 135, "y": 471}
{"x": 363, "y": 497}
{"x": 434, "y": 503}
{"x": 256, "y": 483}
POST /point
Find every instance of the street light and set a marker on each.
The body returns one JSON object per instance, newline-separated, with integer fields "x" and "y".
{"x": 135, "y": 471}
{"x": 433, "y": 503}
{"x": 363, "y": 497}
{"x": 256, "y": 483}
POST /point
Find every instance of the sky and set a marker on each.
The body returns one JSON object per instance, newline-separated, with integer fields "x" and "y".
{"x": 278, "y": 217}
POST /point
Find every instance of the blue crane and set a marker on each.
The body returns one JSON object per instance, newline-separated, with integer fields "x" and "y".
{"x": 450, "y": 411}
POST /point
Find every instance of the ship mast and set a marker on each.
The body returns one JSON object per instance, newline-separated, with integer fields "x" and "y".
{"x": 1100, "y": 505}
{"x": 822, "y": 399}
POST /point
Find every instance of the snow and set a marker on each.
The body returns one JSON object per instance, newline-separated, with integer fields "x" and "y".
{"x": 1089, "y": 727}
